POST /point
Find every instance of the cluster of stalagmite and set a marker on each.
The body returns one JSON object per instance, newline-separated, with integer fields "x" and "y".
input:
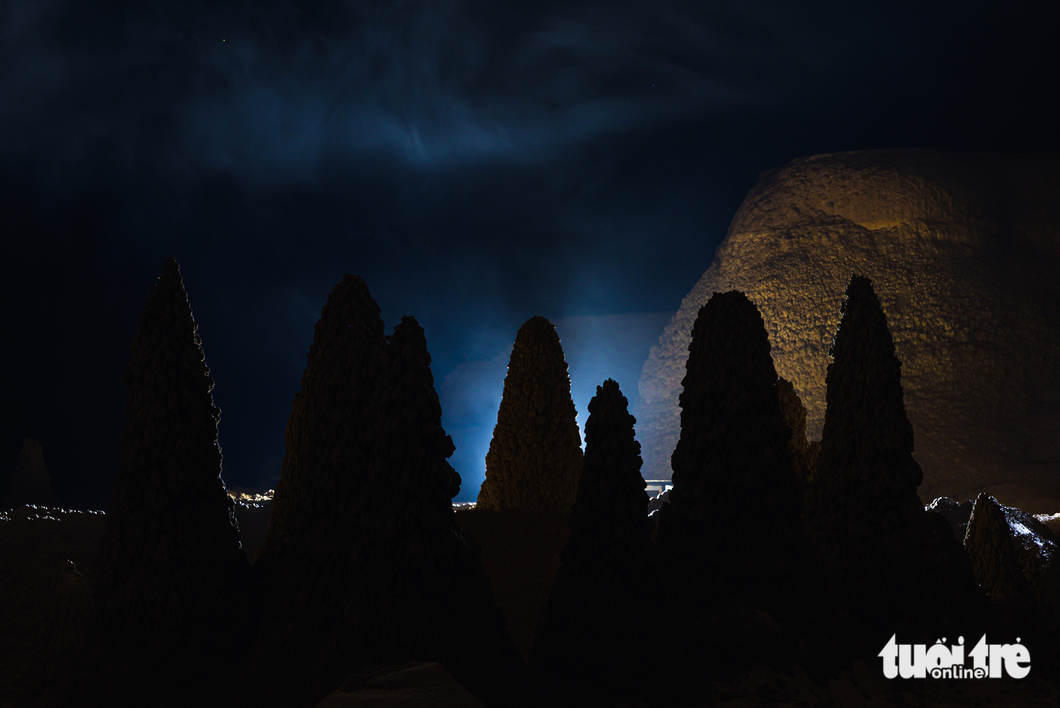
{"x": 363, "y": 564}
{"x": 963, "y": 252}
{"x": 535, "y": 455}
{"x": 770, "y": 548}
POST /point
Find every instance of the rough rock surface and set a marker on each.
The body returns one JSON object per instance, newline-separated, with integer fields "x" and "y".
{"x": 535, "y": 456}
{"x": 964, "y": 252}
{"x": 594, "y": 628}
{"x": 1015, "y": 559}
{"x": 30, "y": 484}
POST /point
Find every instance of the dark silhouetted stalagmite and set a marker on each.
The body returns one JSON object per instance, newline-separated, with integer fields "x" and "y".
{"x": 535, "y": 456}
{"x": 170, "y": 569}
{"x": 428, "y": 597}
{"x": 885, "y": 556}
{"x": 308, "y": 569}
{"x": 732, "y": 528}
{"x": 363, "y": 564}
{"x": 595, "y": 627}
{"x": 30, "y": 484}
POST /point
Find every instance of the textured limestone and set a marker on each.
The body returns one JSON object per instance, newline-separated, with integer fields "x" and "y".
{"x": 963, "y": 250}
{"x": 1014, "y": 557}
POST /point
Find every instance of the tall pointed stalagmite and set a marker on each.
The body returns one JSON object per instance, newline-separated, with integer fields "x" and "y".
{"x": 364, "y": 565}
{"x": 881, "y": 553}
{"x": 733, "y": 524}
{"x": 309, "y": 581}
{"x": 330, "y": 433}
{"x": 445, "y": 609}
{"x": 535, "y": 456}
{"x": 170, "y": 569}
{"x": 595, "y": 628}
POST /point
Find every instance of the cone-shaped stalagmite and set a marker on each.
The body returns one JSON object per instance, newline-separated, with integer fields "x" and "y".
{"x": 595, "y": 628}
{"x": 330, "y": 433}
{"x": 363, "y": 565}
{"x": 310, "y": 579}
{"x": 170, "y": 567}
{"x": 535, "y": 456}
{"x": 880, "y": 550}
{"x": 427, "y": 595}
{"x": 30, "y": 484}
{"x": 732, "y": 527}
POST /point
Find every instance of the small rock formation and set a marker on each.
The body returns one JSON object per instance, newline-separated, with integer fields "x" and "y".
{"x": 535, "y": 456}
{"x": 964, "y": 251}
{"x": 732, "y": 528}
{"x": 957, "y": 513}
{"x": 363, "y": 563}
{"x": 1015, "y": 559}
{"x": 170, "y": 570}
{"x": 30, "y": 483}
{"x": 803, "y": 454}
{"x": 886, "y": 558}
{"x": 594, "y": 629}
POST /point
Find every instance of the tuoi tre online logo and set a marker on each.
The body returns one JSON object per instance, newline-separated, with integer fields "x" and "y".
{"x": 941, "y": 662}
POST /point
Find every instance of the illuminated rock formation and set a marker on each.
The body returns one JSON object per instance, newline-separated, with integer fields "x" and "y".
{"x": 594, "y": 627}
{"x": 170, "y": 570}
{"x": 363, "y": 564}
{"x": 963, "y": 251}
{"x": 881, "y": 553}
{"x": 30, "y": 484}
{"x": 1014, "y": 556}
{"x": 535, "y": 456}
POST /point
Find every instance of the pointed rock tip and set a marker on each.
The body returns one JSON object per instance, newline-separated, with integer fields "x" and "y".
{"x": 535, "y": 327}
{"x": 610, "y": 393}
{"x": 351, "y": 283}
{"x": 171, "y": 268}
{"x": 859, "y": 283}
